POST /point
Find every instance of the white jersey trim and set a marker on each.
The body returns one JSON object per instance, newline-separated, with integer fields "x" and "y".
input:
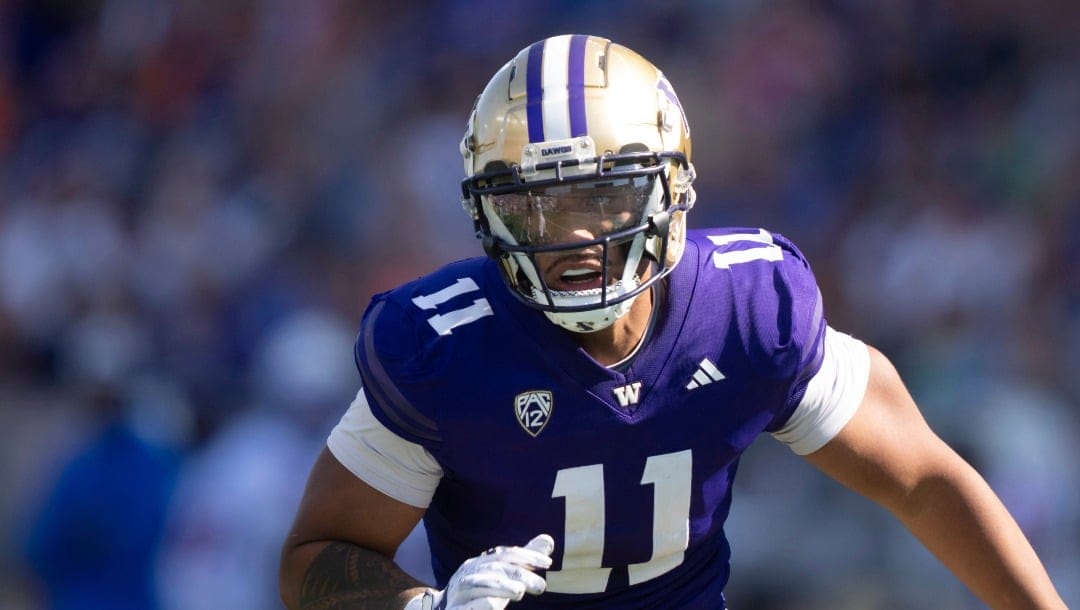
{"x": 832, "y": 396}
{"x": 398, "y": 468}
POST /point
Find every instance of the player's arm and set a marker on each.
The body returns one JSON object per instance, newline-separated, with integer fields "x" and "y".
{"x": 366, "y": 492}
{"x": 888, "y": 453}
{"x": 339, "y": 553}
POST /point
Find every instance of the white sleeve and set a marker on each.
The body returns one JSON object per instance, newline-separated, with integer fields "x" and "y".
{"x": 832, "y": 395}
{"x": 398, "y": 468}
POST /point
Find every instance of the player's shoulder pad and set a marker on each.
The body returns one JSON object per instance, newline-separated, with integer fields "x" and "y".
{"x": 753, "y": 254}
{"x": 770, "y": 283}
{"x": 727, "y": 247}
{"x": 406, "y": 337}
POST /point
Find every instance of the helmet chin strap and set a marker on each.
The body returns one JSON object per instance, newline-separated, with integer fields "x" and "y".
{"x": 591, "y": 320}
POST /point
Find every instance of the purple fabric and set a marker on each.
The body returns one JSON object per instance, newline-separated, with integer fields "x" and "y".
{"x": 756, "y": 320}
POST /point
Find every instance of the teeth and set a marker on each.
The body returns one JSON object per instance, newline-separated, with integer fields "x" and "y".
{"x": 577, "y": 272}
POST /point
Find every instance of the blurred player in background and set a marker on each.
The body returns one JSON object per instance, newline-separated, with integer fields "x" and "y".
{"x": 567, "y": 414}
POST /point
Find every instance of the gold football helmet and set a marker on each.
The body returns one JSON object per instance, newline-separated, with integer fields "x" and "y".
{"x": 579, "y": 145}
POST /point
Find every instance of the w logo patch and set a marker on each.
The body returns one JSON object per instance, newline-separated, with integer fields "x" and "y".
{"x": 533, "y": 410}
{"x": 628, "y": 395}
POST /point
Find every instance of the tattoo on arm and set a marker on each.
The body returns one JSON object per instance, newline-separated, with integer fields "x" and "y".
{"x": 345, "y": 576}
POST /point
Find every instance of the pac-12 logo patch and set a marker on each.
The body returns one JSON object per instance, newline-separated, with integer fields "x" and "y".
{"x": 533, "y": 409}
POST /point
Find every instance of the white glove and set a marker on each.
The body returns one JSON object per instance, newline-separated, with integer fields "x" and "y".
{"x": 493, "y": 579}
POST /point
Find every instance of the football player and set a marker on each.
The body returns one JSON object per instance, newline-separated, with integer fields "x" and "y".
{"x": 566, "y": 413}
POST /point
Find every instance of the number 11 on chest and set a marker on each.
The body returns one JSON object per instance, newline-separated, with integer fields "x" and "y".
{"x": 582, "y": 571}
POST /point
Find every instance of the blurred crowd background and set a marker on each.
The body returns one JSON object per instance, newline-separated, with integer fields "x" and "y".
{"x": 198, "y": 197}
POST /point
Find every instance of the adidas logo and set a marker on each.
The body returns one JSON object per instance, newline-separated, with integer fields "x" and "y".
{"x": 704, "y": 375}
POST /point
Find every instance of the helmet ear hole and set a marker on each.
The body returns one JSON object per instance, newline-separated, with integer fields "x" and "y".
{"x": 633, "y": 147}
{"x": 497, "y": 165}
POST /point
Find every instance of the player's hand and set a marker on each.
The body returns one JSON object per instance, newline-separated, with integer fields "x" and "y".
{"x": 496, "y": 577}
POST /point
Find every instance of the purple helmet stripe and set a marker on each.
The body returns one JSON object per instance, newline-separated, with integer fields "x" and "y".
{"x": 575, "y": 85}
{"x": 534, "y": 91}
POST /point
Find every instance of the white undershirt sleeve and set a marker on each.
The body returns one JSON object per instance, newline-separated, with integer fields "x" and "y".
{"x": 832, "y": 395}
{"x": 398, "y": 468}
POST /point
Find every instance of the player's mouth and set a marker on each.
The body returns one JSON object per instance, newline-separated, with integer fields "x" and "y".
{"x": 575, "y": 275}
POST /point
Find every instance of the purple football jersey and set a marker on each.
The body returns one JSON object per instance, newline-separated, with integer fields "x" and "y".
{"x": 630, "y": 471}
